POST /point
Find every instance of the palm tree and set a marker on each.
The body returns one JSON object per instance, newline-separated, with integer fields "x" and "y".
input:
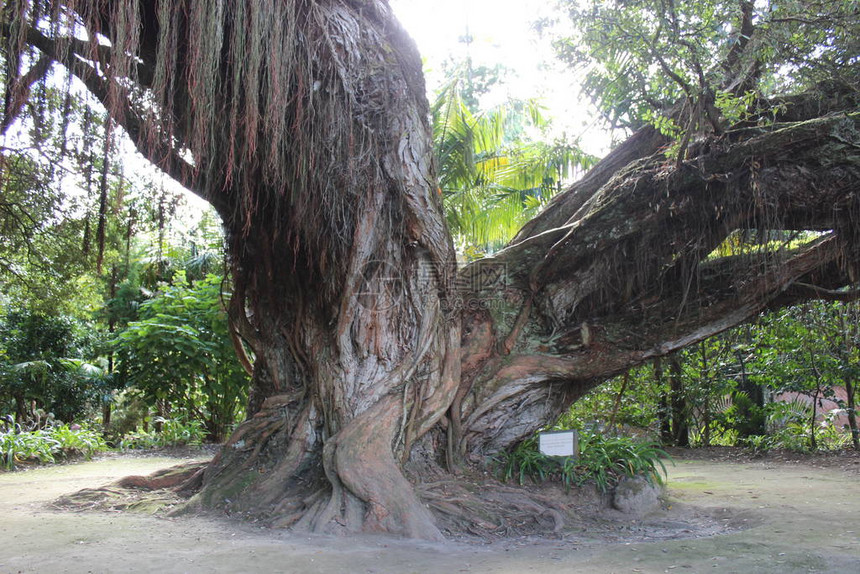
{"x": 495, "y": 172}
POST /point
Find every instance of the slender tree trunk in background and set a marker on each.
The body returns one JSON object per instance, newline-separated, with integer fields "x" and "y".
{"x": 617, "y": 404}
{"x": 852, "y": 412}
{"x": 20, "y": 409}
{"x": 103, "y": 194}
{"x": 665, "y": 417}
{"x": 849, "y": 327}
{"x": 813, "y": 440}
{"x": 114, "y": 280}
{"x": 678, "y": 400}
{"x": 706, "y": 409}
{"x": 162, "y": 411}
{"x": 106, "y": 415}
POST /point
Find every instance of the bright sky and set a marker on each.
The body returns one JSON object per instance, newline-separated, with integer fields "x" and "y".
{"x": 502, "y": 32}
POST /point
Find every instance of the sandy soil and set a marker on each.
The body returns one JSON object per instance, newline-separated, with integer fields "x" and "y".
{"x": 740, "y": 516}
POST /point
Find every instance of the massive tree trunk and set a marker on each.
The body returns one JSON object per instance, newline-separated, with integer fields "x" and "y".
{"x": 341, "y": 291}
{"x": 374, "y": 357}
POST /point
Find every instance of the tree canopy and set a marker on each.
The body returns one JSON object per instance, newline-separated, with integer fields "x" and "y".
{"x": 716, "y": 59}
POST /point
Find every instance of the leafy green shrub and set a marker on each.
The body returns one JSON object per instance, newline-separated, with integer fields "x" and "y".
{"x": 130, "y": 411}
{"x": 178, "y": 432}
{"x": 42, "y": 361}
{"x": 18, "y": 448}
{"x": 830, "y": 436}
{"x": 792, "y": 430}
{"x": 758, "y": 443}
{"x": 174, "y": 432}
{"x": 77, "y": 442}
{"x": 139, "y": 439}
{"x": 719, "y": 435}
{"x": 794, "y": 436}
{"x": 743, "y": 416}
{"x": 179, "y": 354}
{"x": 602, "y": 460}
{"x": 526, "y": 461}
{"x": 606, "y": 460}
{"x": 45, "y": 446}
{"x": 788, "y": 421}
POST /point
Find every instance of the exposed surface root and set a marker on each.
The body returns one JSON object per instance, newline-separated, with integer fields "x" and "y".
{"x": 483, "y": 508}
{"x": 471, "y": 508}
{"x": 270, "y": 469}
{"x": 160, "y": 492}
{"x": 475, "y": 508}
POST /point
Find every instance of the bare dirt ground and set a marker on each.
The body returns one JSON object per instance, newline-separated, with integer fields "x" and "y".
{"x": 728, "y": 512}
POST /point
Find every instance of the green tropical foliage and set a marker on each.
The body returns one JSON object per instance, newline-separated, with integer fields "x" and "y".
{"x": 606, "y": 460}
{"x": 525, "y": 461}
{"x": 43, "y": 367}
{"x": 732, "y": 384}
{"x": 635, "y": 405}
{"x": 173, "y": 432}
{"x": 53, "y": 363}
{"x": 40, "y": 250}
{"x": 48, "y": 445}
{"x": 178, "y": 354}
{"x": 714, "y": 58}
{"x": 602, "y": 460}
{"x": 495, "y": 170}
{"x": 809, "y": 349}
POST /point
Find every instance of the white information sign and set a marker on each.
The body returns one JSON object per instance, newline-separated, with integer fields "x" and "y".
{"x": 560, "y": 443}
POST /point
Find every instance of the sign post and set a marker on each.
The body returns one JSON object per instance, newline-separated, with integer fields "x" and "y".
{"x": 559, "y": 443}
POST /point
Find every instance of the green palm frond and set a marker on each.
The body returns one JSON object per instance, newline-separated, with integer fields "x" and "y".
{"x": 493, "y": 177}
{"x": 35, "y": 367}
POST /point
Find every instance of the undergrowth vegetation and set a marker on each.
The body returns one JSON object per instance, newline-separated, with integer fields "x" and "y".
{"x": 602, "y": 460}
{"x": 173, "y": 432}
{"x": 791, "y": 430}
{"x": 48, "y": 445}
{"x": 784, "y": 381}
{"x": 23, "y": 448}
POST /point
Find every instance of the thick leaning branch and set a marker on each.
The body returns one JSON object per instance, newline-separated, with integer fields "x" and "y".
{"x": 514, "y": 394}
{"x": 629, "y": 276}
